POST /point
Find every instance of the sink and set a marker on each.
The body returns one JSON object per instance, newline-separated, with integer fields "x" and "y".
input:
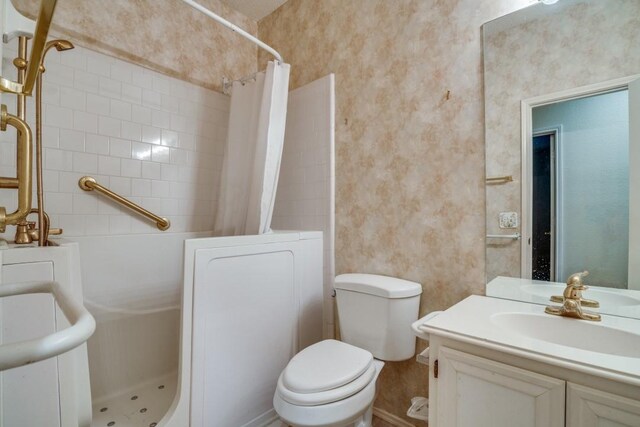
{"x": 574, "y": 333}
{"x": 605, "y": 298}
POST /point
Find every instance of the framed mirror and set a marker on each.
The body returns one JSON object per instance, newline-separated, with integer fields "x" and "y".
{"x": 562, "y": 121}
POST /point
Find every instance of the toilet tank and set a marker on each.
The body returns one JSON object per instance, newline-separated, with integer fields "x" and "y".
{"x": 375, "y": 313}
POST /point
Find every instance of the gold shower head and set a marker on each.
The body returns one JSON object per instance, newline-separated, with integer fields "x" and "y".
{"x": 60, "y": 45}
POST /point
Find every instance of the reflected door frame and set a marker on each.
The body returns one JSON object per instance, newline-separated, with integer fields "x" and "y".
{"x": 526, "y": 110}
{"x": 555, "y": 132}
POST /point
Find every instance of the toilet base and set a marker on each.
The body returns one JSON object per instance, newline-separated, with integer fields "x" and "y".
{"x": 354, "y": 411}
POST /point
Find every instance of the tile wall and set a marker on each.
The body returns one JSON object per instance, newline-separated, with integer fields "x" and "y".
{"x": 305, "y": 196}
{"x": 154, "y": 139}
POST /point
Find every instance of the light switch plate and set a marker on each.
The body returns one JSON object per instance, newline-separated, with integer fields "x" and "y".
{"x": 508, "y": 219}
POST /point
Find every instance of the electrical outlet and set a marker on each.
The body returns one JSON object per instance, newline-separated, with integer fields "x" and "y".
{"x": 508, "y": 220}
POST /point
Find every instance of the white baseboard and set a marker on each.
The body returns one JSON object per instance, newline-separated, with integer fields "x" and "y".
{"x": 390, "y": 418}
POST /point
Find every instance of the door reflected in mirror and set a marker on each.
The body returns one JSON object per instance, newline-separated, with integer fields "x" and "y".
{"x": 579, "y": 198}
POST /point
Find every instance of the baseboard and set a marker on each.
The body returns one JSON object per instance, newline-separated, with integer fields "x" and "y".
{"x": 390, "y": 418}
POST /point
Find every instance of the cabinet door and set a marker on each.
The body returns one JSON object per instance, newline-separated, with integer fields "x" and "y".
{"x": 477, "y": 392}
{"x": 587, "y": 407}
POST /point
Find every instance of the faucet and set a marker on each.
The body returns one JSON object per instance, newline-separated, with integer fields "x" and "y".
{"x": 572, "y": 300}
{"x": 26, "y": 231}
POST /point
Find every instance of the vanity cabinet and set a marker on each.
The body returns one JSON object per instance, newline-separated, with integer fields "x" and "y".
{"x": 468, "y": 390}
{"x": 473, "y": 391}
{"x": 588, "y": 407}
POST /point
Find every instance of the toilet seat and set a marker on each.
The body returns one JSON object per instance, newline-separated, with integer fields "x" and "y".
{"x": 326, "y": 372}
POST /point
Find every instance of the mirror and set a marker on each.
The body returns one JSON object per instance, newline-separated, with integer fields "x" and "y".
{"x": 562, "y": 122}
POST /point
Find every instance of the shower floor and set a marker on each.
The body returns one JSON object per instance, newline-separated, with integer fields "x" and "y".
{"x": 141, "y": 406}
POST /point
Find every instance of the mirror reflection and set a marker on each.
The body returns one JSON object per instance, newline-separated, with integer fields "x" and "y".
{"x": 562, "y": 119}
{"x": 579, "y": 198}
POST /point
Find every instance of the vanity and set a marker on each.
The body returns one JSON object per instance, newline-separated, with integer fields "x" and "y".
{"x": 562, "y": 122}
{"x": 501, "y": 363}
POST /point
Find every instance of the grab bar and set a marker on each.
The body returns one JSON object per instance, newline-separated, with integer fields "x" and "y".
{"x": 504, "y": 236}
{"x": 82, "y": 327}
{"x": 88, "y": 183}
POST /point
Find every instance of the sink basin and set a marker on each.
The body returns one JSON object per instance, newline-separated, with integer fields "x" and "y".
{"x": 605, "y": 298}
{"x": 581, "y": 334}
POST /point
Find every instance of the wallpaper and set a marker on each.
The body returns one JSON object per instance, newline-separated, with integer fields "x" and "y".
{"x": 587, "y": 42}
{"x": 410, "y": 166}
{"x": 166, "y": 36}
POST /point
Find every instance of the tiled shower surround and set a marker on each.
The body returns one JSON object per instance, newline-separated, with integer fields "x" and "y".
{"x": 156, "y": 140}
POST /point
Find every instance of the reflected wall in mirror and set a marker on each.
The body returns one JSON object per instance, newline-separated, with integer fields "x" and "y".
{"x": 559, "y": 123}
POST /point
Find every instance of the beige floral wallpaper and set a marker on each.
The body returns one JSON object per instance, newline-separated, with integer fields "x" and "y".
{"x": 167, "y": 35}
{"x": 580, "y": 43}
{"x": 410, "y": 168}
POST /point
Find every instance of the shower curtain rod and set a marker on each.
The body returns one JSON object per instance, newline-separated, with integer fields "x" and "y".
{"x": 235, "y": 28}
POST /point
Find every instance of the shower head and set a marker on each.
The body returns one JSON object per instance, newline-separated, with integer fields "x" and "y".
{"x": 60, "y": 45}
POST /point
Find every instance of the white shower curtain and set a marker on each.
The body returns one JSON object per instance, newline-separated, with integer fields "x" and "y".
{"x": 253, "y": 153}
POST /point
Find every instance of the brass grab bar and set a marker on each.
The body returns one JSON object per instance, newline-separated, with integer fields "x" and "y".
{"x": 88, "y": 183}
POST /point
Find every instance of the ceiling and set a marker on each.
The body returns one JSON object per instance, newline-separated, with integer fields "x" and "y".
{"x": 255, "y": 9}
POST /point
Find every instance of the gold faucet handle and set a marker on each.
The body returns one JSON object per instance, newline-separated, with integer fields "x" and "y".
{"x": 575, "y": 279}
{"x": 55, "y": 231}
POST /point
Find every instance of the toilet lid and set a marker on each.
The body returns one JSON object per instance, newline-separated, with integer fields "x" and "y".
{"x": 324, "y": 366}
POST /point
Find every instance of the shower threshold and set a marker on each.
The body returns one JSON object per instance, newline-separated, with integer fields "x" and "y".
{"x": 141, "y": 406}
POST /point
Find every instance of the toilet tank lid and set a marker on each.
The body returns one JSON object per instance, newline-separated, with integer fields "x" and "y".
{"x": 373, "y": 284}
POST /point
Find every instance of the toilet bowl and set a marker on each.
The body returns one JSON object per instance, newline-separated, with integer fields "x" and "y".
{"x": 333, "y": 383}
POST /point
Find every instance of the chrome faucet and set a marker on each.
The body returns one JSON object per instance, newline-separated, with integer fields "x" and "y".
{"x": 572, "y": 300}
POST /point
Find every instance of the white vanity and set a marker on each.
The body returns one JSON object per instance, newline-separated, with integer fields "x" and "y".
{"x": 501, "y": 363}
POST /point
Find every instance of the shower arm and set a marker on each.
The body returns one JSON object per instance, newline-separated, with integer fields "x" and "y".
{"x": 235, "y": 28}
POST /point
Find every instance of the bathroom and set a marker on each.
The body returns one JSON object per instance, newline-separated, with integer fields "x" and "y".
{"x": 402, "y": 148}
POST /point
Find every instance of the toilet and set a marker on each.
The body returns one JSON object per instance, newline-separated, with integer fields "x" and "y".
{"x": 333, "y": 383}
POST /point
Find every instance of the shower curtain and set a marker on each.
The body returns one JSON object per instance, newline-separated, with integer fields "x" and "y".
{"x": 253, "y": 153}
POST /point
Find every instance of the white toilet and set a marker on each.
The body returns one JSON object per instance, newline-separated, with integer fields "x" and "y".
{"x": 333, "y": 383}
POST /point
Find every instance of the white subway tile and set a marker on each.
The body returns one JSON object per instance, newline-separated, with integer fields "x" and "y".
{"x": 141, "y": 187}
{"x": 119, "y": 224}
{"x": 140, "y": 151}
{"x": 73, "y": 98}
{"x": 50, "y": 136}
{"x": 151, "y": 170}
{"x": 86, "y": 122}
{"x": 169, "y": 172}
{"x": 120, "y": 110}
{"x": 58, "y": 116}
{"x": 109, "y": 165}
{"x": 98, "y": 104}
{"x": 87, "y": 82}
{"x": 85, "y": 163}
{"x": 97, "y": 225}
{"x": 151, "y": 135}
{"x": 141, "y": 115}
{"x": 121, "y": 71}
{"x": 73, "y": 225}
{"x": 169, "y": 138}
{"x": 85, "y": 204}
{"x": 109, "y": 88}
{"x": 97, "y": 144}
{"x": 58, "y": 203}
{"x": 160, "y": 119}
{"x": 131, "y": 168}
{"x": 108, "y": 126}
{"x": 71, "y": 140}
{"x": 120, "y": 185}
{"x": 160, "y": 154}
{"x": 131, "y": 93}
{"x": 159, "y": 188}
{"x": 100, "y": 65}
{"x": 58, "y": 159}
{"x": 151, "y": 98}
{"x": 119, "y": 147}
